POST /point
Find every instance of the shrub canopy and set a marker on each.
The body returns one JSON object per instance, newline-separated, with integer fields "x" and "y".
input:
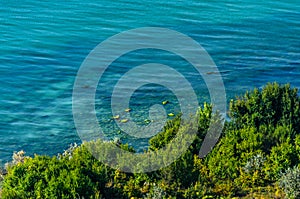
{"x": 256, "y": 156}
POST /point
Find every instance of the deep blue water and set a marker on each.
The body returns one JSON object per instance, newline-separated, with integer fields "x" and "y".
{"x": 43, "y": 44}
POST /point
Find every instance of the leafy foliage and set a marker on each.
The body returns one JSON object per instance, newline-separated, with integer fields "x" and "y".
{"x": 290, "y": 181}
{"x": 257, "y": 156}
{"x": 69, "y": 176}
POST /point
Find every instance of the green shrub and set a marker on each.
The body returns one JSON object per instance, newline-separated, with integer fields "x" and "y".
{"x": 156, "y": 193}
{"x": 72, "y": 175}
{"x": 261, "y": 122}
{"x": 168, "y": 133}
{"x": 290, "y": 182}
{"x": 258, "y": 143}
{"x": 282, "y": 156}
{"x": 274, "y": 104}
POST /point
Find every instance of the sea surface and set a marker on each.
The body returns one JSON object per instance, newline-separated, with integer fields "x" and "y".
{"x": 43, "y": 44}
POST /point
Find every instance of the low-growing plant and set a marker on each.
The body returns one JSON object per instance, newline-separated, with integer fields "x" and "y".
{"x": 290, "y": 182}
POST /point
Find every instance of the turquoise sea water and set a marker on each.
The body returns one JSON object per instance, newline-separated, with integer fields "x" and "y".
{"x": 43, "y": 44}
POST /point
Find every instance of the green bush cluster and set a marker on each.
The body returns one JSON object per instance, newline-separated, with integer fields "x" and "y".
{"x": 72, "y": 176}
{"x": 257, "y": 156}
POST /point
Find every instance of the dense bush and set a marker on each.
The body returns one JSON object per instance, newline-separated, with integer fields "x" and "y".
{"x": 290, "y": 181}
{"x": 261, "y": 141}
{"x": 74, "y": 175}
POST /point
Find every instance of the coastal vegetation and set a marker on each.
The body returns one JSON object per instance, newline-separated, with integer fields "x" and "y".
{"x": 257, "y": 156}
